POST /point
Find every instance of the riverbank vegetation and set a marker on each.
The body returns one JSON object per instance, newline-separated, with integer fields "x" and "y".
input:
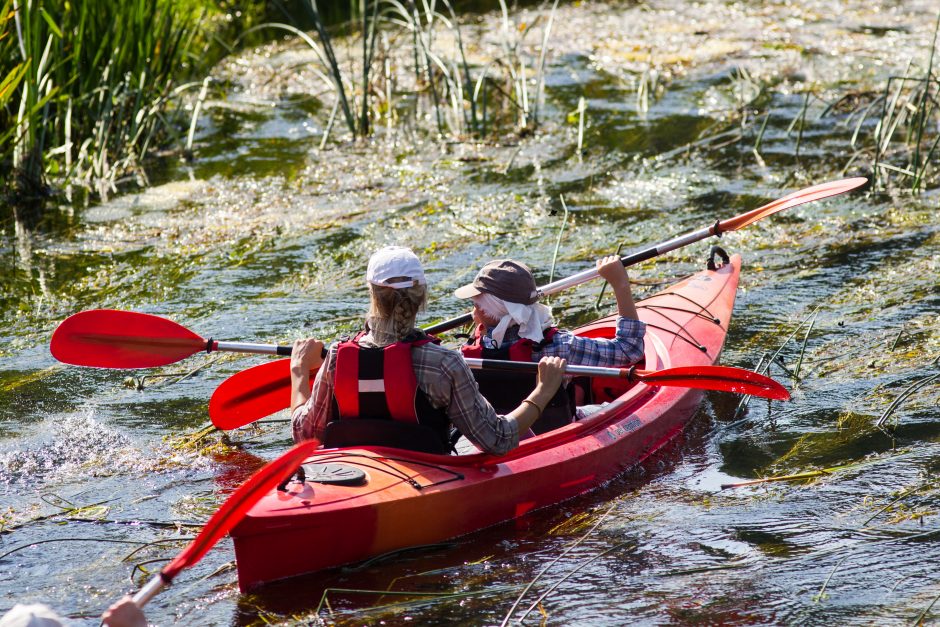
{"x": 88, "y": 89}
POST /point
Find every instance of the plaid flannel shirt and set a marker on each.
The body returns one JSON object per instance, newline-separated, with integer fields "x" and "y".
{"x": 625, "y": 348}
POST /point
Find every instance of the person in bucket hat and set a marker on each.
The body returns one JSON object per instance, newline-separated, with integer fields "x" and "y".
{"x": 400, "y": 385}
{"x": 512, "y": 324}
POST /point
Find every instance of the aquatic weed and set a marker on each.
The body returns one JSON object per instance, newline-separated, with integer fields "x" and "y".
{"x": 920, "y": 383}
{"x": 918, "y": 107}
{"x": 822, "y": 595}
{"x": 38, "y": 542}
{"x": 806, "y": 475}
{"x": 424, "y": 597}
{"x": 561, "y": 232}
{"x": 208, "y": 440}
{"x": 766, "y": 358}
{"x": 923, "y": 615}
{"x": 548, "y": 566}
{"x": 573, "y": 571}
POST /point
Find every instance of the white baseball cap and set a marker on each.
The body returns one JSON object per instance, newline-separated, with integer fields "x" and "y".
{"x": 395, "y": 262}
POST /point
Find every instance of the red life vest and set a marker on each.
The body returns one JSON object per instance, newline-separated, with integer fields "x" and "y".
{"x": 520, "y": 350}
{"x": 505, "y": 390}
{"x": 378, "y": 382}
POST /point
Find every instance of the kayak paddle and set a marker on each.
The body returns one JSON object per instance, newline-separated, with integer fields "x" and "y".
{"x": 110, "y": 338}
{"x": 227, "y": 516}
{"x": 717, "y": 378}
{"x": 816, "y": 192}
{"x": 260, "y": 391}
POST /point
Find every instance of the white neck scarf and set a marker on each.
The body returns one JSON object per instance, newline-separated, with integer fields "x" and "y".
{"x": 532, "y": 319}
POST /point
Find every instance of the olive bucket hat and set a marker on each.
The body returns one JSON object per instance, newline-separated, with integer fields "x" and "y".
{"x": 509, "y": 280}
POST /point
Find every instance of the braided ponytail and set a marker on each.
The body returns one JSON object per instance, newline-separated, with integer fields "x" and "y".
{"x": 392, "y": 312}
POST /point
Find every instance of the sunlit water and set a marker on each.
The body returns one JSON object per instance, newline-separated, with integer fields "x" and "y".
{"x": 265, "y": 238}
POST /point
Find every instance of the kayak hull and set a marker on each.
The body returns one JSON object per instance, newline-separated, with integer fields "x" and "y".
{"x": 412, "y": 499}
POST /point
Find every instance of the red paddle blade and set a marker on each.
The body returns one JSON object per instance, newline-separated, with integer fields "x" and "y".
{"x": 237, "y": 505}
{"x": 720, "y": 378}
{"x": 816, "y": 192}
{"x": 109, "y": 338}
{"x": 251, "y": 394}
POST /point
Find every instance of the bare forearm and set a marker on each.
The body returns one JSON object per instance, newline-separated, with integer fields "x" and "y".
{"x": 612, "y": 270}
{"x": 624, "y": 296}
{"x": 306, "y": 355}
{"x": 300, "y": 387}
{"x": 526, "y": 413}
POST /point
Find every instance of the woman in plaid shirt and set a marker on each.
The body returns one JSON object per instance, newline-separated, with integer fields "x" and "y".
{"x": 398, "y": 290}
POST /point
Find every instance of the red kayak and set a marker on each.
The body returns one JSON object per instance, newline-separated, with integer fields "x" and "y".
{"x": 371, "y": 500}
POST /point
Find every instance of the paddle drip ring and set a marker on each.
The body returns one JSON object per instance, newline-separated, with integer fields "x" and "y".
{"x": 209, "y": 345}
{"x": 725, "y": 259}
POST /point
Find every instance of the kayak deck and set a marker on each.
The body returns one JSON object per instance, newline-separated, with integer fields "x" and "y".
{"x": 410, "y": 499}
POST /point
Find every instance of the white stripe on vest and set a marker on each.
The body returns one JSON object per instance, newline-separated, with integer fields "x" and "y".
{"x": 371, "y": 385}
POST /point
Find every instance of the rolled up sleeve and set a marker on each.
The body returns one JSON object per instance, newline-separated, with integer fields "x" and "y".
{"x": 625, "y": 348}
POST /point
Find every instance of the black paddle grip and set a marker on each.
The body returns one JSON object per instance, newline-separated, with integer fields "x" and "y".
{"x": 285, "y": 351}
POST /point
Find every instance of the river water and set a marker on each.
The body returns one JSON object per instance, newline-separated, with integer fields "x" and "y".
{"x": 264, "y": 237}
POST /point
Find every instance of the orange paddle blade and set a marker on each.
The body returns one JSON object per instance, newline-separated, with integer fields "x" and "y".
{"x": 251, "y": 395}
{"x": 816, "y": 192}
{"x": 719, "y": 378}
{"x": 110, "y": 338}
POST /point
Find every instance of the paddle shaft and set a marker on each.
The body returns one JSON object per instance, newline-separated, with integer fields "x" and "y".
{"x": 522, "y": 366}
{"x": 816, "y": 192}
{"x": 248, "y": 347}
{"x": 479, "y": 364}
{"x": 150, "y": 590}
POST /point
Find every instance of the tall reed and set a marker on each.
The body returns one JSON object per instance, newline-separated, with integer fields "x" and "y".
{"x": 90, "y": 85}
{"x": 424, "y": 40}
{"x": 912, "y": 109}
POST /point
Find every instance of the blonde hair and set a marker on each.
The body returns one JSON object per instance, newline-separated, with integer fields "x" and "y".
{"x": 392, "y": 312}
